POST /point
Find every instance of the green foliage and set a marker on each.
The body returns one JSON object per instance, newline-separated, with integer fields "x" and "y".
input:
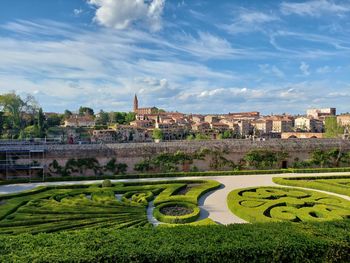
{"x": 103, "y": 118}
{"x": 331, "y": 158}
{"x": 41, "y": 120}
{"x": 54, "y": 120}
{"x": 86, "y": 111}
{"x": 115, "y": 168}
{"x": 275, "y": 242}
{"x": 18, "y": 112}
{"x": 335, "y": 184}
{"x": 264, "y": 159}
{"x": 332, "y": 128}
{"x": 31, "y": 131}
{"x": 229, "y": 134}
{"x": 189, "y": 218}
{"x": 67, "y": 114}
{"x": 56, "y": 208}
{"x": 271, "y": 204}
{"x": 157, "y": 134}
{"x": 107, "y": 183}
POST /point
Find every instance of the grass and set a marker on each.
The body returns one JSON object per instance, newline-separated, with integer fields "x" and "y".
{"x": 274, "y": 204}
{"x": 51, "y": 209}
{"x": 335, "y": 184}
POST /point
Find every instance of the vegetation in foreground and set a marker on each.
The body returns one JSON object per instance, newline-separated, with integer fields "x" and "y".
{"x": 268, "y": 242}
{"x": 56, "y": 208}
{"x": 274, "y": 204}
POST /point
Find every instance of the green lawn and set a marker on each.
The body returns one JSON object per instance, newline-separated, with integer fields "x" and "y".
{"x": 50, "y": 209}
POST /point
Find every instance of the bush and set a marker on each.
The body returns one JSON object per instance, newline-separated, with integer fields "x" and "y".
{"x": 107, "y": 183}
{"x": 273, "y": 242}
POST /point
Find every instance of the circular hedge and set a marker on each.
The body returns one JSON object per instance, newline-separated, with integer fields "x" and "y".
{"x": 271, "y": 204}
{"x": 180, "y": 219}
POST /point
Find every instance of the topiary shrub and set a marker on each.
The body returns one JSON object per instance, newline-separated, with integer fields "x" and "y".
{"x": 107, "y": 183}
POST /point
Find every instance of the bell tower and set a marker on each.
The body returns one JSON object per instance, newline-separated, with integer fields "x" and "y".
{"x": 136, "y": 104}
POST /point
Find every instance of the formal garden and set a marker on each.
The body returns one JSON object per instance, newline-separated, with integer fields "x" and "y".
{"x": 106, "y": 205}
{"x": 304, "y": 219}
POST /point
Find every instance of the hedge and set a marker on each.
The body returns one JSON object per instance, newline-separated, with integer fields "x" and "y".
{"x": 274, "y": 204}
{"x": 271, "y": 242}
{"x": 54, "y": 208}
{"x": 176, "y": 219}
{"x": 335, "y": 184}
{"x": 178, "y": 174}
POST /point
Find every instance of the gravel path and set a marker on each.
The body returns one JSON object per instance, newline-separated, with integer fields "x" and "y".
{"x": 212, "y": 204}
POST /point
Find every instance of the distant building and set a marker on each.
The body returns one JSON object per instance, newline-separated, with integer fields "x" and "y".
{"x": 211, "y": 119}
{"x": 321, "y": 113}
{"x": 282, "y": 123}
{"x": 80, "y": 121}
{"x": 263, "y": 126}
{"x": 344, "y": 120}
{"x": 308, "y": 124}
{"x": 137, "y": 110}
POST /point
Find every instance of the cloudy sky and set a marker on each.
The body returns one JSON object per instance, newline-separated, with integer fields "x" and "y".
{"x": 187, "y": 55}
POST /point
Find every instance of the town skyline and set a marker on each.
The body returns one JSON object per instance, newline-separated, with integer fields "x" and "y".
{"x": 191, "y": 56}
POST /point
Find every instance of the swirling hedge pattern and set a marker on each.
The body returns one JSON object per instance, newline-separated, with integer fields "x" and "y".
{"x": 51, "y": 208}
{"x": 335, "y": 184}
{"x": 271, "y": 204}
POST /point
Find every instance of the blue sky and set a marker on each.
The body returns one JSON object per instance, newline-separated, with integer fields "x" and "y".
{"x": 185, "y": 55}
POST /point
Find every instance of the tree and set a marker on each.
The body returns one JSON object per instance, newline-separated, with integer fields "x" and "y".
{"x": 332, "y": 128}
{"x": 157, "y": 134}
{"x": 200, "y": 136}
{"x": 1, "y": 122}
{"x": 86, "y": 111}
{"x": 264, "y": 158}
{"x": 41, "y": 120}
{"x": 103, "y": 118}
{"x": 67, "y": 114}
{"x": 320, "y": 157}
{"x": 54, "y": 120}
{"x": 226, "y": 135}
{"x": 18, "y": 111}
{"x": 129, "y": 117}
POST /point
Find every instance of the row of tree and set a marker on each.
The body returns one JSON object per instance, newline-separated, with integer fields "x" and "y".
{"x": 22, "y": 117}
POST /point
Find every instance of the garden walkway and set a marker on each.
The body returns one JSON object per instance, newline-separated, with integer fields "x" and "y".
{"x": 212, "y": 204}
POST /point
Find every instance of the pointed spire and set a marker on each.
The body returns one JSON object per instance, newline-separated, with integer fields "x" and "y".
{"x": 136, "y": 103}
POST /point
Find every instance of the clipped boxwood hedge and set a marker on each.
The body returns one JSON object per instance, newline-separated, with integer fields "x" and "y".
{"x": 176, "y": 219}
{"x": 272, "y": 242}
{"x": 336, "y": 184}
{"x": 178, "y": 174}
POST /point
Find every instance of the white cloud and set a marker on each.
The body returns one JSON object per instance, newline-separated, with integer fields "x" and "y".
{"x": 121, "y": 14}
{"x": 208, "y": 46}
{"x": 274, "y": 70}
{"x": 304, "y": 68}
{"x": 77, "y": 12}
{"x": 249, "y": 21}
{"x": 323, "y": 70}
{"x": 313, "y": 8}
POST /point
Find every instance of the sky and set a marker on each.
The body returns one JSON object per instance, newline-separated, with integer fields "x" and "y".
{"x": 191, "y": 56}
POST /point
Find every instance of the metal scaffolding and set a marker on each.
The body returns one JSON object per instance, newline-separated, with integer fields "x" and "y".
{"x": 18, "y": 162}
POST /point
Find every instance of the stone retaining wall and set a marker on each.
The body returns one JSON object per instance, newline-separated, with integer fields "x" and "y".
{"x": 131, "y": 153}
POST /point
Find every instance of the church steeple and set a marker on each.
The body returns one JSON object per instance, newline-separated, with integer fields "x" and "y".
{"x": 136, "y": 104}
